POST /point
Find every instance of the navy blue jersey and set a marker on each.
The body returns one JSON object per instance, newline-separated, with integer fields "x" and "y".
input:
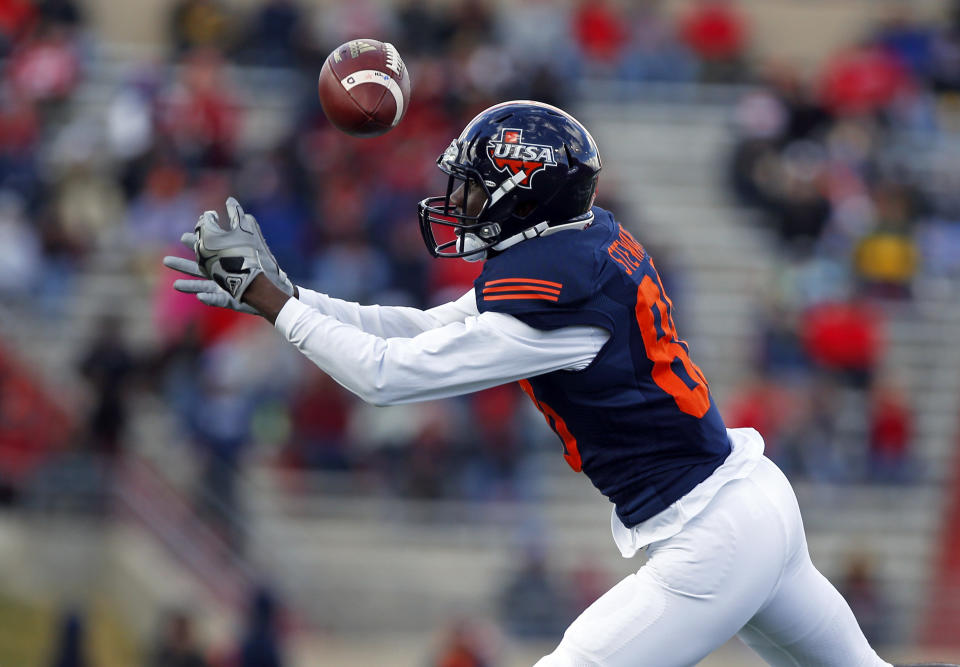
{"x": 639, "y": 420}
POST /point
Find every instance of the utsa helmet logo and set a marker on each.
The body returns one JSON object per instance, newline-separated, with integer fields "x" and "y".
{"x": 509, "y": 153}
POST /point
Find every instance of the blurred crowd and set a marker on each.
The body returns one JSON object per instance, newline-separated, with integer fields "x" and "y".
{"x": 853, "y": 169}
{"x": 125, "y": 169}
{"x": 178, "y": 642}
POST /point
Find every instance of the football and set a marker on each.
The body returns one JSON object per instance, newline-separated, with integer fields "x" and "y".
{"x": 364, "y": 87}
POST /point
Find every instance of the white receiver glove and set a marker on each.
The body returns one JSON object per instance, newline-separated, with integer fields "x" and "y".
{"x": 208, "y": 291}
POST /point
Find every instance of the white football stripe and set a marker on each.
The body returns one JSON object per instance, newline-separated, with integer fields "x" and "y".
{"x": 376, "y": 76}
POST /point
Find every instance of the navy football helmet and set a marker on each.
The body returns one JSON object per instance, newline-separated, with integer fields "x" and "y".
{"x": 518, "y": 170}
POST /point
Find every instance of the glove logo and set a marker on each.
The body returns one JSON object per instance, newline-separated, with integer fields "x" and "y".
{"x": 233, "y": 284}
{"x": 509, "y": 153}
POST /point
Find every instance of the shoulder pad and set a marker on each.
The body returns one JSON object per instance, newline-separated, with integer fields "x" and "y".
{"x": 540, "y": 274}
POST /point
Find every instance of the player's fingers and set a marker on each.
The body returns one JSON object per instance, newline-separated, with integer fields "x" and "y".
{"x": 189, "y": 239}
{"x": 250, "y": 224}
{"x": 223, "y": 300}
{"x": 234, "y": 212}
{"x": 183, "y": 265}
{"x": 208, "y": 221}
{"x": 195, "y": 286}
{"x": 218, "y": 299}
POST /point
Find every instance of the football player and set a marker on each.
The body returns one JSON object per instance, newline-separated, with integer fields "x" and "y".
{"x": 570, "y": 305}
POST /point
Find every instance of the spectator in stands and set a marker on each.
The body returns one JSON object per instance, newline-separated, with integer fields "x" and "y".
{"x": 534, "y": 33}
{"x": 274, "y": 36}
{"x": 767, "y": 405}
{"x": 494, "y": 467}
{"x": 891, "y": 435}
{"x": 861, "y": 590}
{"x": 151, "y": 216}
{"x": 911, "y": 42}
{"x": 716, "y": 31}
{"x": 261, "y": 644}
{"x": 429, "y": 465}
{"x": 320, "y": 414}
{"x": 811, "y": 445}
{"x": 71, "y": 644}
{"x": 131, "y": 125}
{"x": 422, "y": 29}
{"x": 844, "y": 338}
{"x": 532, "y": 605}
{"x": 780, "y": 353}
{"x": 45, "y": 67}
{"x": 221, "y": 423}
{"x": 462, "y": 647}
{"x": 21, "y": 259}
{"x": 798, "y": 204}
{"x": 176, "y": 645}
{"x": 17, "y": 18}
{"x": 65, "y": 13}
{"x": 200, "y": 24}
{"x": 86, "y": 205}
{"x": 653, "y": 52}
{"x": 33, "y": 428}
{"x": 945, "y": 57}
{"x": 886, "y": 258}
{"x": 110, "y": 368}
{"x": 20, "y": 134}
{"x": 599, "y": 31}
{"x": 761, "y": 121}
{"x": 172, "y": 368}
{"x": 805, "y": 115}
{"x": 862, "y": 80}
{"x": 352, "y": 265}
{"x": 199, "y": 114}
{"x": 472, "y": 22}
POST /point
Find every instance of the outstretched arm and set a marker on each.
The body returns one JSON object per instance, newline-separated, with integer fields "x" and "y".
{"x": 391, "y": 321}
{"x": 458, "y": 358}
{"x": 383, "y": 321}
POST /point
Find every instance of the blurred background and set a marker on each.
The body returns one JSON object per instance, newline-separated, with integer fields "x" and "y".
{"x": 178, "y": 487}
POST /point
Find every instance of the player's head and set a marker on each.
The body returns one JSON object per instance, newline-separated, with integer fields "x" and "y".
{"x": 518, "y": 170}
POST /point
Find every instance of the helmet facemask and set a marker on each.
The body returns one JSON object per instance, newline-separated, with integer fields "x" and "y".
{"x": 453, "y": 224}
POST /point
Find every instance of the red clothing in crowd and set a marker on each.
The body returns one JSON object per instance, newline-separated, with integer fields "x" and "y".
{"x": 862, "y": 80}
{"x": 599, "y": 31}
{"x": 715, "y": 31}
{"x": 843, "y": 336}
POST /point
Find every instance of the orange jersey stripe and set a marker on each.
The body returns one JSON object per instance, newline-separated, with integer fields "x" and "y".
{"x": 524, "y": 280}
{"x": 514, "y": 297}
{"x": 512, "y": 288}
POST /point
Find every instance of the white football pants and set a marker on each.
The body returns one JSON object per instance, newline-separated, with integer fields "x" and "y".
{"x": 740, "y": 567}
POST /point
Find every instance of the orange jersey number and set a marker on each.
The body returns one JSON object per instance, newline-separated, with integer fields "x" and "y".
{"x": 664, "y": 350}
{"x": 570, "y": 452}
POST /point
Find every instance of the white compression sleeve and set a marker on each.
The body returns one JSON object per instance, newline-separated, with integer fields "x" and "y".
{"x": 390, "y": 321}
{"x": 458, "y": 358}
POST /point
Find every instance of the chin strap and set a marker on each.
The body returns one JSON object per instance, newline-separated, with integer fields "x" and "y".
{"x": 545, "y": 229}
{"x": 470, "y": 241}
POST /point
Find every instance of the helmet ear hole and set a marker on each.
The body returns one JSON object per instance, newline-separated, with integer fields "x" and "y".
{"x": 524, "y": 208}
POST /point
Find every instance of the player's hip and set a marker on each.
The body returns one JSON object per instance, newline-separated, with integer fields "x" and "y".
{"x": 747, "y": 517}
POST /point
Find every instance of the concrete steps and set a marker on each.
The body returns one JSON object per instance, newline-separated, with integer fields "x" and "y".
{"x": 431, "y": 558}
